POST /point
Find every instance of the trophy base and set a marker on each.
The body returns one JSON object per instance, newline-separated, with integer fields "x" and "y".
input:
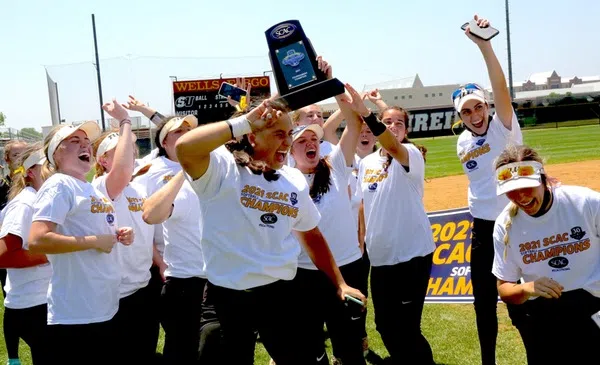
{"x": 312, "y": 94}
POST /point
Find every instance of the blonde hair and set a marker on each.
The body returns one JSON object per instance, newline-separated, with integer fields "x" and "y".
{"x": 296, "y": 114}
{"x": 9, "y": 146}
{"x": 47, "y": 141}
{"x": 20, "y": 179}
{"x": 512, "y": 154}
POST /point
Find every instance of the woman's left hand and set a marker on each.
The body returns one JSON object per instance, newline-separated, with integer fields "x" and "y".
{"x": 125, "y": 235}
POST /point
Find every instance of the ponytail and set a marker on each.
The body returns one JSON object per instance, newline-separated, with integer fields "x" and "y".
{"x": 421, "y": 148}
{"x": 242, "y": 152}
{"x": 20, "y": 180}
{"x": 322, "y": 181}
{"x": 18, "y": 183}
{"x": 513, "y": 209}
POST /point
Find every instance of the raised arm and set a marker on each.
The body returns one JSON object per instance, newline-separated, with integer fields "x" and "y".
{"x": 136, "y": 105}
{"x": 194, "y": 148}
{"x": 331, "y": 125}
{"x": 159, "y": 206}
{"x": 374, "y": 96}
{"x": 502, "y": 101}
{"x": 351, "y": 133}
{"x": 123, "y": 163}
{"x": 386, "y": 138}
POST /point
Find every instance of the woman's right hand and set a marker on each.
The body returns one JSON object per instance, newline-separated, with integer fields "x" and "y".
{"x": 355, "y": 102}
{"x": 263, "y": 115}
{"x": 105, "y": 242}
{"x": 543, "y": 287}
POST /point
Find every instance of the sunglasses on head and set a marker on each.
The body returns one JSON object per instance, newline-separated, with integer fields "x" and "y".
{"x": 466, "y": 90}
{"x": 517, "y": 170}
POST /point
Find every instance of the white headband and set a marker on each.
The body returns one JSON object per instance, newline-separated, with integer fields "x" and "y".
{"x": 36, "y": 158}
{"x": 176, "y": 123}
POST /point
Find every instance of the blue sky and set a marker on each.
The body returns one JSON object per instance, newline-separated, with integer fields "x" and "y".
{"x": 141, "y": 43}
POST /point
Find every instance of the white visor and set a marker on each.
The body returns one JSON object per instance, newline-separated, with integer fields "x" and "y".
{"x": 108, "y": 143}
{"x": 518, "y": 175}
{"x": 91, "y": 129}
{"x": 175, "y": 123}
{"x": 36, "y": 158}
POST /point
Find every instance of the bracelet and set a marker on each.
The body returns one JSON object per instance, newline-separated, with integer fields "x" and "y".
{"x": 124, "y": 121}
{"x": 239, "y": 126}
{"x": 376, "y": 127}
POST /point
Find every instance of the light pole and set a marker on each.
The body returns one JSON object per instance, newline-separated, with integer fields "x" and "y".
{"x": 510, "y": 78}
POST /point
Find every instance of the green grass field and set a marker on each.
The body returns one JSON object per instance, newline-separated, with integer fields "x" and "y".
{"x": 450, "y": 328}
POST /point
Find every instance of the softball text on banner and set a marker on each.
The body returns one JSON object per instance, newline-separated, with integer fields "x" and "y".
{"x": 450, "y": 280}
{"x": 201, "y": 97}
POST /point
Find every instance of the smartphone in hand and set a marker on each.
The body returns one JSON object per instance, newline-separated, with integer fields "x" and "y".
{"x": 486, "y": 33}
{"x": 236, "y": 93}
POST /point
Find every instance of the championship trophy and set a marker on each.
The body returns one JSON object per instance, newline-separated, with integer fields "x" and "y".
{"x": 294, "y": 62}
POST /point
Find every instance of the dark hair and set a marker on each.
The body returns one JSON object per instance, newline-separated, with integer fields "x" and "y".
{"x": 242, "y": 150}
{"x": 161, "y": 149}
{"x": 421, "y": 148}
{"x": 322, "y": 181}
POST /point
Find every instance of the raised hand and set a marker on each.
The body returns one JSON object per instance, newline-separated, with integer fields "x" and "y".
{"x": 115, "y": 110}
{"x": 482, "y": 23}
{"x": 374, "y": 96}
{"x": 355, "y": 102}
{"x": 134, "y": 104}
{"x": 263, "y": 116}
{"x": 325, "y": 67}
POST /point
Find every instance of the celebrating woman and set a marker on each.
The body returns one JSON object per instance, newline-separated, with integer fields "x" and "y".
{"x": 252, "y": 202}
{"x": 549, "y": 236}
{"x": 327, "y": 178}
{"x": 484, "y": 138}
{"x": 137, "y": 329}
{"x": 25, "y": 307}
{"x": 398, "y": 234}
{"x": 75, "y": 225}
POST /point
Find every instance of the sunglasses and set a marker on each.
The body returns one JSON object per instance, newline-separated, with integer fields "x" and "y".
{"x": 514, "y": 171}
{"x": 465, "y": 90}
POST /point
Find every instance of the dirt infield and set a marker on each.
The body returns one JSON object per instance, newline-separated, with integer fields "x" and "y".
{"x": 451, "y": 191}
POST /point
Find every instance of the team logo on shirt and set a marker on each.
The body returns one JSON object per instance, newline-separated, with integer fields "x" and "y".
{"x": 100, "y": 205}
{"x": 135, "y": 204}
{"x": 317, "y": 199}
{"x": 272, "y": 202}
{"x": 374, "y": 176}
{"x": 554, "y": 249}
{"x": 268, "y": 219}
{"x": 558, "y": 263}
{"x": 294, "y": 198}
{"x": 474, "y": 152}
{"x": 110, "y": 219}
{"x": 471, "y": 164}
{"x": 480, "y": 142}
{"x": 577, "y": 233}
{"x": 373, "y": 187}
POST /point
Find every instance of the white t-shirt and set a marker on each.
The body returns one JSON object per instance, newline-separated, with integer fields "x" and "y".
{"x": 146, "y": 159}
{"x": 135, "y": 259}
{"x": 248, "y": 220}
{"x": 353, "y": 183}
{"x": 477, "y": 155}
{"x": 27, "y": 287}
{"x": 85, "y": 284}
{"x": 182, "y": 234}
{"x": 157, "y": 176}
{"x": 563, "y": 244}
{"x": 325, "y": 149}
{"x": 337, "y": 224}
{"x": 397, "y": 226}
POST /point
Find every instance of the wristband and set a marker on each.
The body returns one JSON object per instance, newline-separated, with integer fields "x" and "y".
{"x": 124, "y": 121}
{"x": 374, "y": 125}
{"x": 239, "y": 126}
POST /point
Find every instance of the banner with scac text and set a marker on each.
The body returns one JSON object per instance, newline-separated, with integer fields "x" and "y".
{"x": 450, "y": 280}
